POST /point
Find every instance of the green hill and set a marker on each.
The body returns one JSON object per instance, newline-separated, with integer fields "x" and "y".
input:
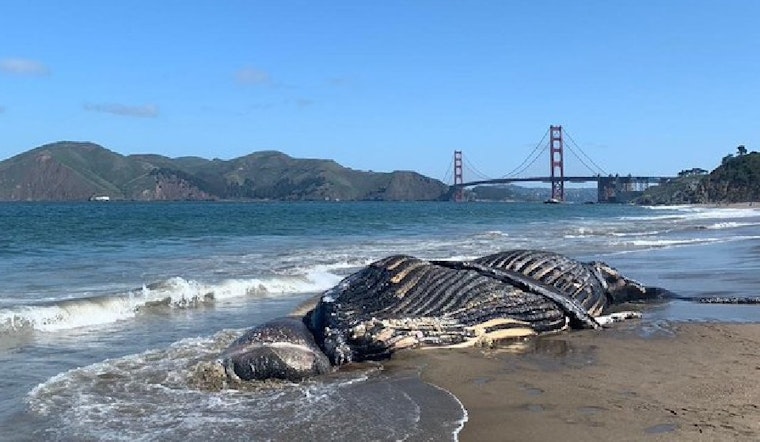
{"x": 737, "y": 179}
{"x": 67, "y": 171}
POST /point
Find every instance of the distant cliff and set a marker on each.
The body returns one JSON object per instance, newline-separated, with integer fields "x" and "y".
{"x": 737, "y": 179}
{"x": 72, "y": 171}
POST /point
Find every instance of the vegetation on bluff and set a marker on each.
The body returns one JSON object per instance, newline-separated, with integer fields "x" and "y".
{"x": 737, "y": 179}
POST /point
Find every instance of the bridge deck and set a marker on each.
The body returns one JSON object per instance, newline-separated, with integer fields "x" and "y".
{"x": 569, "y": 179}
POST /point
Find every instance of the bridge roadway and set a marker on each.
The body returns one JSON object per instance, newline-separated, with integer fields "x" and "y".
{"x": 569, "y": 179}
{"x": 609, "y": 188}
{"x": 573, "y": 179}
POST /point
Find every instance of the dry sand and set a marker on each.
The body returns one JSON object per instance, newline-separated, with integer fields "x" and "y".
{"x": 636, "y": 381}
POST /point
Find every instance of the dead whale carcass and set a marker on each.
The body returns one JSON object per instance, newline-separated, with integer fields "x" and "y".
{"x": 402, "y": 301}
{"x": 595, "y": 285}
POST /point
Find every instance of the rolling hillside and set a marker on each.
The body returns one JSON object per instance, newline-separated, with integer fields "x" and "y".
{"x": 74, "y": 171}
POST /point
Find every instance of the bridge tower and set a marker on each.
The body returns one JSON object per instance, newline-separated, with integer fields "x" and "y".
{"x": 458, "y": 176}
{"x": 557, "y": 163}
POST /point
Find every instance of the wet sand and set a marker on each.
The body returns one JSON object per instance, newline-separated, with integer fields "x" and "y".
{"x": 636, "y": 381}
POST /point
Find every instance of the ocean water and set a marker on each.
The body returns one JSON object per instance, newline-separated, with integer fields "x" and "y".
{"x": 106, "y": 308}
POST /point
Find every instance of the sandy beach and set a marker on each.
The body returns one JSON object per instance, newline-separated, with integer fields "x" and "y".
{"x": 636, "y": 381}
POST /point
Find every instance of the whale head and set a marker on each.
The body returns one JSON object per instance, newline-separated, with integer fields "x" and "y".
{"x": 283, "y": 348}
{"x": 621, "y": 289}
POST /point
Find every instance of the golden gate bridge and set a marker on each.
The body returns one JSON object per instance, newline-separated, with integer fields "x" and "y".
{"x": 610, "y": 188}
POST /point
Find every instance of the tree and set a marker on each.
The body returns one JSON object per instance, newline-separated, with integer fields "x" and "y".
{"x": 692, "y": 172}
{"x": 741, "y": 150}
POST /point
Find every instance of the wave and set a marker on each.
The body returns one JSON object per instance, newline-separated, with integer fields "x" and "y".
{"x": 685, "y": 219}
{"x": 662, "y": 243}
{"x": 719, "y": 213}
{"x": 153, "y": 393}
{"x": 490, "y": 234}
{"x": 588, "y": 232}
{"x": 691, "y": 212}
{"x": 666, "y": 217}
{"x": 465, "y": 414}
{"x": 175, "y": 293}
{"x": 729, "y": 225}
{"x": 601, "y": 230}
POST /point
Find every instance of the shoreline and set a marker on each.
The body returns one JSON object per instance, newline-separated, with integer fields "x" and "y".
{"x": 755, "y": 205}
{"x": 637, "y": 380}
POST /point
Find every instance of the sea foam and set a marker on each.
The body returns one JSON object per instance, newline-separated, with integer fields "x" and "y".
{"x": 149, "y": 394}
{"x": 173, "y": 293}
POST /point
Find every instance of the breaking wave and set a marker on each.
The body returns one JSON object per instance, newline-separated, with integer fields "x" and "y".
{"x": 690, "y": 212}
{"x": 728, "y": 225}
{"x": 173, "y": 293}
{"x": 662, "y": 243}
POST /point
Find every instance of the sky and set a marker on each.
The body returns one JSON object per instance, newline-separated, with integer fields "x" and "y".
{"x": 642, "y": 87}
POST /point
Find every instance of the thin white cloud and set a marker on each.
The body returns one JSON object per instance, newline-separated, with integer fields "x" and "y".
{"x": 304, "y": 102}
{"x": 339, "y": 81}
{"x": 249, "y": 75}
{"x": 21, "y": 66}
{"x": 145, "y": 111}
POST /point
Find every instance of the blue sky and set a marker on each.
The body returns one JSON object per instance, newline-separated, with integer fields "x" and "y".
{"x": 644, "y": 87}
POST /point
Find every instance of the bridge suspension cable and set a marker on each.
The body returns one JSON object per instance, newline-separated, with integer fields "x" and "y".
{"x": 448, "y": 177}
{"x": 597, "y": 168}
{"x": 528, "y": 162}
{"x": 460, "y": 162}
{"x": 473, "y": 169}
{"x": 572, "y": 151}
